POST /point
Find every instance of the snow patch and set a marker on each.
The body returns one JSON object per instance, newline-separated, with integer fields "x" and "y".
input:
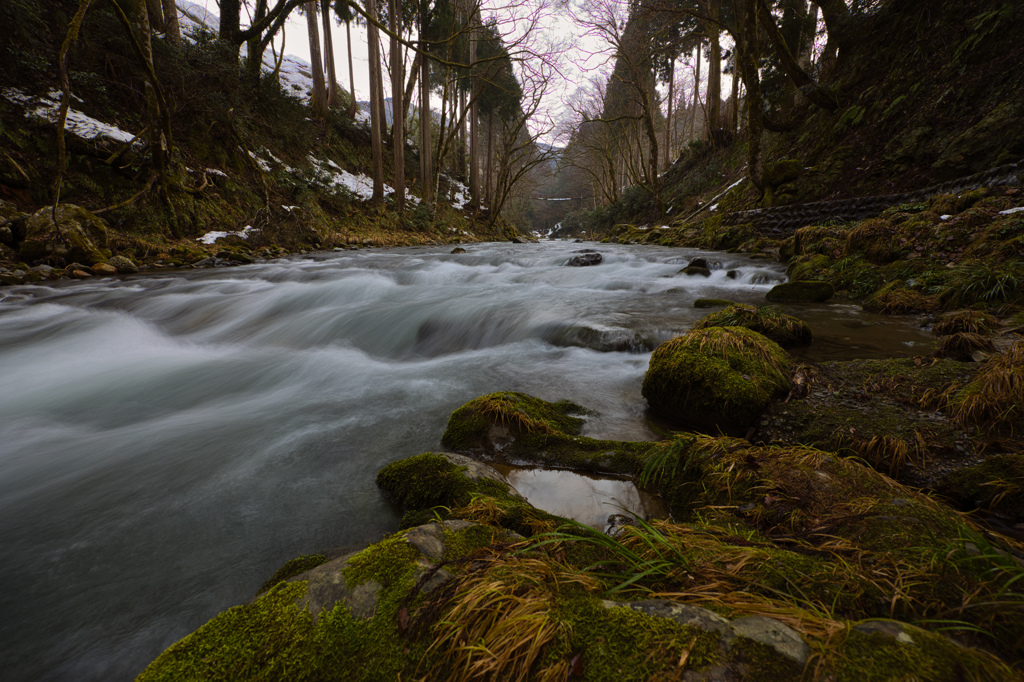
{"x": 47, "y": 107}
{"x": 212, "y": 237}
{"x": 1011, "y": 211}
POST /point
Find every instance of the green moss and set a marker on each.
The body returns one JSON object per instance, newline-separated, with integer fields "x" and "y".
{"x": 800, "y": 292}
{"x": 269, "y": 639}
{"x": 720, "y": 377}
{"x": 809, "y": 267}
{"x": 293, "y": 567}
{"x": 711, "y": 303}
{"x": 463, "y": 543}
{"x": 997, "y": 484}
{"x": 896, "y": 298}
{"x": 926, "y": 657}
{"x": 518, "y": 426}
{"x": 785, "y": 330}
{"x": 430, "y": 480}
{"x": 623, "y": 644}
{"x": 387, "y": 562}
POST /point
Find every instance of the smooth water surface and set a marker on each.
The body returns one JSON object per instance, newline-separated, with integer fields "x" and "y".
{"x": 167, "y": 441}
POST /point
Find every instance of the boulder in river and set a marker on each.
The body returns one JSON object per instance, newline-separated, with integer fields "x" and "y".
{"x": 800, "y": 292}
{"x": 78, "y": 236}
{"x": 585, "y": 259}
{"x": 783, "y": 329}
{"x": 720, "y": 378}
{"x": 521, "y": 428}
{"x": 458, "y": 249}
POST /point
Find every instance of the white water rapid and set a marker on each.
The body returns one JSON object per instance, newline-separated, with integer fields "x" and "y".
{"x": 167, "y": 441}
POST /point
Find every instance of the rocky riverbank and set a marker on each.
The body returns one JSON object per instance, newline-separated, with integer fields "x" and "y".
{"x": 780, "y": 560}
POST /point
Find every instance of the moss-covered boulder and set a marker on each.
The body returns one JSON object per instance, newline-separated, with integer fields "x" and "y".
{"x": 78, "y": 236}
{"x": 523, "y": 429}
{"x": 430, "y": 485}
{"x": 711, "y": 303}
{"x": 800, "y": 292}
{"x": 996, "y": 485}
{"x": 896, "y": 298}
{"x": 716, "y": 378}
{"x": 783, "y": 329}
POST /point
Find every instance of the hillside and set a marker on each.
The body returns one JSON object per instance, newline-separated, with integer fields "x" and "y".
{"x": 246, "y": 155}
{"x": 928, "y": 91}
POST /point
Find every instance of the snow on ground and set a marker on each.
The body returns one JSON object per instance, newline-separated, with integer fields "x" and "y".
{"x": 47, "y": 107}
{"x": 1011, "y": 211}
{"x": 212, "y": 237}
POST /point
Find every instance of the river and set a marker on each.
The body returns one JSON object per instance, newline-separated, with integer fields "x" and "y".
{"x": 168, "y": 440}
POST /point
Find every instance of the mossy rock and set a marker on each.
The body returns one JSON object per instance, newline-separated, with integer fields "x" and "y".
{"x": 435, "y": 482}
{"x": 785, "y": 330}
{"x": 782, "y": 171}
{"x": 711, "y": 303}
{"x": 716, "y": 378}
{"x": 808, "y": 267}
{"x": 800, "y": 292}
{"x": 518, "y": 427}
{"x": 896, "y": 298}
{"x": 996, "y": 485}
{"x": 81, "y": 236}
{"x": 876, "y": 240}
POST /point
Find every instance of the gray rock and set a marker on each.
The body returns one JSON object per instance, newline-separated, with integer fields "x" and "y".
{"x": 123, "y": 264}
{"x": 428, "y": 540}
{"x": 584, "y": 260}
{"x": 683, "y": 614}
{"x": 81, "y": 236}
{"x": 886, "y": 627}
{"x": 326, "y": 587}
{"x": 691, "y": 270}
{"x": 775, "y": 634}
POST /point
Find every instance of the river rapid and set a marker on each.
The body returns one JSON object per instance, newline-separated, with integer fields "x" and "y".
{"x": 167, "y": 441}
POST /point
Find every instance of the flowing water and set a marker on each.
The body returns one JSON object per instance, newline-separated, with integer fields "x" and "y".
{"x": 167, "y": 441}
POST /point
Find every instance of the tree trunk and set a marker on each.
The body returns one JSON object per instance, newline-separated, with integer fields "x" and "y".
{"x": 376, "y": 113}
{"x": 230, "y": 13}
{"x": 156, "y": 15}
{"x": 426, "y": 166}
{"x": 736, "y": 92}
{"x": 353, "y": 106}
{"x": 410, "y": 86}
{"x": 397, "y": 108}
{"x": 474, "y": 164}
{"x": 490, "y": 157}
{"x": 332, "y": 78}
{"x": 798, "y": 76}
{"x": 171, "y": 28}
{"x": 668, "y": 116}
{"x": 696, "y": 93}
{"x": 751, "y": 57}
{"x": 319, "y": 100}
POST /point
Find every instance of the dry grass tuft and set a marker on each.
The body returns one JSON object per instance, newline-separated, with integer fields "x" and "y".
{"x": 962, "y": 346}
{"x": 504, "y": 411}
{"x": 497, "y": 621}
{"x": 995, "y": 398}
{"x": 966, "y": 322}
